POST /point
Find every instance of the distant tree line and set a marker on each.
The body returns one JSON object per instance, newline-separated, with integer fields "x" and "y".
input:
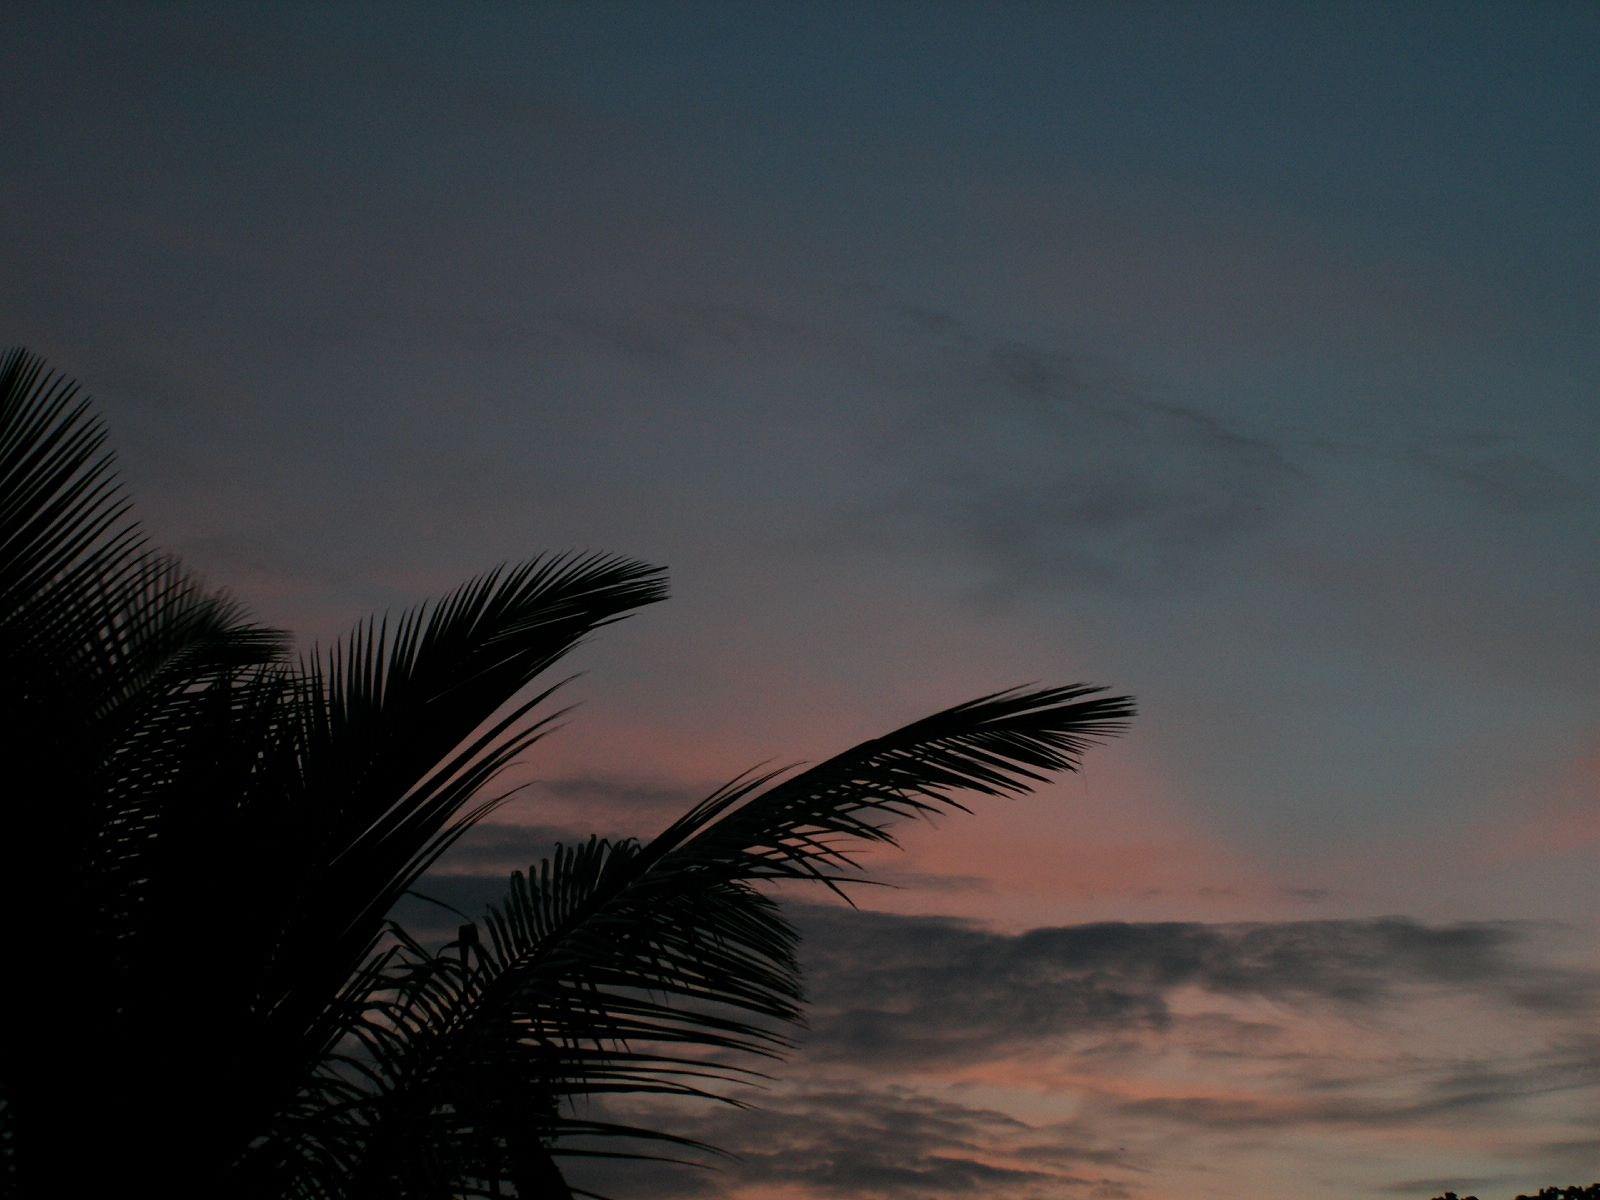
{"x": 1592, "y": 1192}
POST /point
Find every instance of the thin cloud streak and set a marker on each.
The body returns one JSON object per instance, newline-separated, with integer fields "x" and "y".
{"x": 1117, "y": 1060}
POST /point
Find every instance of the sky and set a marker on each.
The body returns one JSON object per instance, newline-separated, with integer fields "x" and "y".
{"x": 1243, "y": 358}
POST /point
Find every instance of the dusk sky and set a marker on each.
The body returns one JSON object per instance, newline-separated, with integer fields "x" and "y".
{"x": 1243, "y": 358}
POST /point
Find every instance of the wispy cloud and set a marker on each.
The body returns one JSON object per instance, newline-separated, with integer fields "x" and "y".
{"x": 1498, "y": 474}
{"x": 949, "y": 1060}
{"x": 930, "y": 993}
{"x": 888, "y": 1143}
{"x": 1052, "y": 471}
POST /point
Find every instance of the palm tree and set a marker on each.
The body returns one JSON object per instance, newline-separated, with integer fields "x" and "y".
{"x": 208, "y": 992}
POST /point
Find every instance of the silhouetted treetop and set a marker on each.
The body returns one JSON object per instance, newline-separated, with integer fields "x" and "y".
{"x": 1571, "y": 1192}
{"x": 210, "y": 994}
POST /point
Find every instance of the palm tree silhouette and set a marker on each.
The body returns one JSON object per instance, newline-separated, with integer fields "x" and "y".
{"x": 206, "y": 990}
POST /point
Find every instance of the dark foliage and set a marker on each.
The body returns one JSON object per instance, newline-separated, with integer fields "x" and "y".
{"x": 206, "y": 992}
{"x": 1573, "y": 1192}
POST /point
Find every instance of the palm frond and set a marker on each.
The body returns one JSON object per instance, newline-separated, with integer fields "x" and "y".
{"x": 227, "y": 833}
{"x": 95, "y": 631}
{"x": 117, "y": 666}
{"x": 63, "y": 517}
{"x": 619, "y": 969}
{"x": 1001, "y": 744}
{"x": 107, "y": 648}
{"x": 400, "y": 730}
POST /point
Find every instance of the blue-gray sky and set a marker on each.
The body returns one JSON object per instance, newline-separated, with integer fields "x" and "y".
{"x": 1243, "y": 357}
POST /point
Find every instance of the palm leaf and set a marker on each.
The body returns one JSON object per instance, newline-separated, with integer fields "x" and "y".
{"x": 116, "y": 664}
{"x": 207, "y": 796}
{"x": 62, "y": 513}
{"x": 397, "y": 734}
{"x": 619, "y": 970}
